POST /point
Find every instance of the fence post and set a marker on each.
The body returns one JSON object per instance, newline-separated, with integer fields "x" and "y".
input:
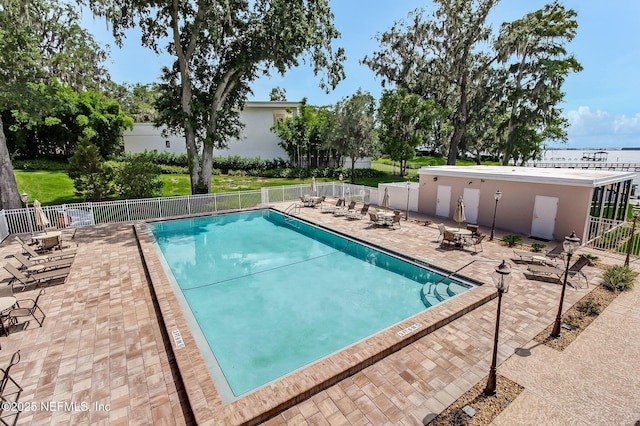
{"x": 239, "y": 200}
{"x": 159, "y": 207}
{"x": 189, "y": 204}
{"x": 126, "y": 205}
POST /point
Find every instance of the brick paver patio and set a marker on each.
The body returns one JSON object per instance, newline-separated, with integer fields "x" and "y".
{"x": 104, "y": 344}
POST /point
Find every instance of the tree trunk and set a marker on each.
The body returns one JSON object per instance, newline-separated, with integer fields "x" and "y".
{"x": 353, "y": 169}
{"x": 9, "y": 195}
{"x": 461, "y": 125}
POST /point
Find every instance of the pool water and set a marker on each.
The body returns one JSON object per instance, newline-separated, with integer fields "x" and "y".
{"x": 272, "y": 295}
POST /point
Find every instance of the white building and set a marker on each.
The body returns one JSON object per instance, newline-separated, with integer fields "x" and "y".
{"x": 257, "y": 138}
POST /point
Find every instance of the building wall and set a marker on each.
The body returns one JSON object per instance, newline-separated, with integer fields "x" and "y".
{"x": 257, "y": 139}
{"x": 515, "y": 210}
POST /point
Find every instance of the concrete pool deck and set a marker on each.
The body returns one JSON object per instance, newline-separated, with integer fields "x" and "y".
{"x": 102, "y": 342}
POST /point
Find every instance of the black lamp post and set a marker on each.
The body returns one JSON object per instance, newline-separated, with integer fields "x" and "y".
{"x": 340, "y": 177}
{"x": 496, "y": 197}
{"x": 25, "y": 199}
{"x": 501, "y": 278}
{"x": 633, "y": 231}
{"x": 570, "y": 245}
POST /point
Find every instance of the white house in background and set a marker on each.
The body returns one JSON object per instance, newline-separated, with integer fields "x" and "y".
{"x": 257, "y": 138}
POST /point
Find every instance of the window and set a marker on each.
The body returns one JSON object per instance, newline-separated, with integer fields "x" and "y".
{"x": 167, "y": 143}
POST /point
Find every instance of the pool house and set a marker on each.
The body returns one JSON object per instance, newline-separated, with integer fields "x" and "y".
{"x": 542, "y": 203}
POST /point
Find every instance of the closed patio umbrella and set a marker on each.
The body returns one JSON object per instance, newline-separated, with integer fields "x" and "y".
{"x": 40, "y": 217}
{"x": 458, "y": 214}
{"x": 313, "y": 185}
{"x": 385, "y": 198}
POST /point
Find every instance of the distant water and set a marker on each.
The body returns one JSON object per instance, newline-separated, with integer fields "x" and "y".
{"x": 575, "y": 155}
{"x": 608, "y": 156}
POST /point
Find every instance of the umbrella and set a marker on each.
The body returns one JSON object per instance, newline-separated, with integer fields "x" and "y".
{"x": 458, "y": 215}
{"x": 40, "y": 217}
{"x": 385, "y": 198}
{"x": 313, "y": 185}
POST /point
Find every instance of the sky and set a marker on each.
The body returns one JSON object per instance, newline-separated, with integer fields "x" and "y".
{"x": 602, "y": 102}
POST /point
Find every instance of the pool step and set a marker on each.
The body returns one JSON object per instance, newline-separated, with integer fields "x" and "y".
{"x": 455, "y": 288}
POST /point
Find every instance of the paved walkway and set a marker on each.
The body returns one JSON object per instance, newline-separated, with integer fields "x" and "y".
{"x": 103, "y": 343}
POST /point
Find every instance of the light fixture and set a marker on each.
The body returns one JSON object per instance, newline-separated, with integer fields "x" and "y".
{"x": 497, "y": 196}
{"x": 570, "y": 245}
{"x": 24, "y": 197}
{"x": 501, "y": 278}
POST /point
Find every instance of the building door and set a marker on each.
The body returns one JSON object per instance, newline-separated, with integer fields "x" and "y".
{"x": 471, "y": 199}
{"x": 544, "y": 217}
{"x": 443, "y": 202}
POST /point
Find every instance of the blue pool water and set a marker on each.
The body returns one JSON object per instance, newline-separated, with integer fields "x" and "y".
{"x": 272, "y": 295}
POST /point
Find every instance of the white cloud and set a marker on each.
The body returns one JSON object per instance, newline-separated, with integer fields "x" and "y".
{"x": 600, "y": 129}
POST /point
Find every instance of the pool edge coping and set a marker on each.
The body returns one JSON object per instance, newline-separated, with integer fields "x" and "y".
{"x": 286, "y": 392}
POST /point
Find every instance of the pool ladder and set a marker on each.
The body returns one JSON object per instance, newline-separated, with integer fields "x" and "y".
{"x": 293, "y": 208}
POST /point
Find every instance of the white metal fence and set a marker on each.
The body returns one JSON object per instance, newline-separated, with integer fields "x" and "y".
{"x": 20, "y": 221}
{"x": 612, "y": 235}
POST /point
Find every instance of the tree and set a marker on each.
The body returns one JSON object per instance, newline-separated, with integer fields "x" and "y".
{"x": 136, "y": 100}
{"x": 439, "y": 58}
{"x": 278, "y": 94}
{"x": 220, "y": 47}
{"x": 66, "y": 116}
{"x": 39, "y": 40}
{"x": 92, "y": 178}
{"x": 355, "y": 134}
{"x": 532, "y": 49}
{"x": 405, "y": 123}
{"x": 139, "y": 178}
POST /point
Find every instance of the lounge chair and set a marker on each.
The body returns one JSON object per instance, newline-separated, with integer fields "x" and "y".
{"x": 541, "y": 271}
{"x": 42, "y": 266}
{"x": 37, "y": 278}
{"x": 359, "y": 214}
{"x": 331, "y": 208}
{"x": 34, "y": 256}
{"x": 342, "y": 211}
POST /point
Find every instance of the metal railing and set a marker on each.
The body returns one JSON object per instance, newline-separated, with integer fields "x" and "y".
{"x": 21, "y": 221}
{"x": 612, "y": 235}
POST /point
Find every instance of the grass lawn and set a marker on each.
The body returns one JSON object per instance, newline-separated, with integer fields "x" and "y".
{"x": 54, "y": 187}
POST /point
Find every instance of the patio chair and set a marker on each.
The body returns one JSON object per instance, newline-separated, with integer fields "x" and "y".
{"x": 473, "y": 228}
{"x": 441, "y": 229}
{"x": 72, "y": 239}
{"x": 36, "y": 278}
{"x": 10, "y": 390}
{"x": 374, "y": 220}
{"x": 26, "y": 308}
{"x": 476, "y": 241}
{"x": 541, "y": 271}
{"x": 359, "y": 214}
{"x": 395, "y": 221}
{"x": 448, "y": 238}
{"x": 42, "y": 266}
{"x": 332, "y": 208}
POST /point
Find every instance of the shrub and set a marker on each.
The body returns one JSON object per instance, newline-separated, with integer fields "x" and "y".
{"x": 572, "y": 321}
{"x": 591, "y": 258}
{"x": 92, "y": 177}
{"x": 173, "y": 170}
{"x": 139, "y": 178}
{"x": 619, "y": 277}
{"x": 537, "y": 247}
{"x": 589, "y": 307}
{"x": 512, "y": 240}
{"x": 40, "y": 164}
{"x": 237, "y": 173}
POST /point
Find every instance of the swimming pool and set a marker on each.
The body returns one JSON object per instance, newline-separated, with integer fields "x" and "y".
{"x": 271, "y": 295}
